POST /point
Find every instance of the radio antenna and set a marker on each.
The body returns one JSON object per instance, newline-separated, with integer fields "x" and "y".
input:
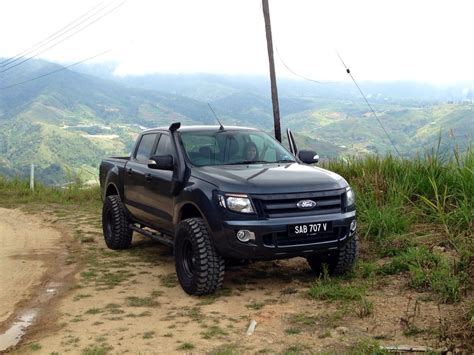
{"x": 221, "y": 128}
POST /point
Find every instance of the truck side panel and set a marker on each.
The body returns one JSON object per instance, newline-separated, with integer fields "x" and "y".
{"x": 111, "y": 174}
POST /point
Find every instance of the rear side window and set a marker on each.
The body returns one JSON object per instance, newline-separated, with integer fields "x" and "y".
{"x": 164, "y": 146}
{"x": 145, "y": 147}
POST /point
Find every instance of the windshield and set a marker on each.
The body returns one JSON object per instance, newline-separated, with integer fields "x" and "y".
{"x": 233, "y": 147}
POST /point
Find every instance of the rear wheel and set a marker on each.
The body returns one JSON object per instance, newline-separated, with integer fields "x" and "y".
{"x": 199, "y": 268}
{"x": 338, "y": 262}
{"x": 117, "y": 234}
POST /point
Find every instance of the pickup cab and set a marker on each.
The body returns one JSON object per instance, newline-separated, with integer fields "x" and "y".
{"x": 219, "y": 193}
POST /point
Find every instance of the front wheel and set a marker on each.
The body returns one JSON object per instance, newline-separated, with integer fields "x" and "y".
{"x": 117, "y": 234}
{"x": 199, "y": 268}
{"x": 338, "y": 262}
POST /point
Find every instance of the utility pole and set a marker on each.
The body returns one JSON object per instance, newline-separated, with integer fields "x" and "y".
{"x": 276, "y": 107}
{"x": 32, "y": 177}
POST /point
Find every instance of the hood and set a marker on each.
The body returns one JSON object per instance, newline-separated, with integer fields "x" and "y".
{"x": 269, "y": 178}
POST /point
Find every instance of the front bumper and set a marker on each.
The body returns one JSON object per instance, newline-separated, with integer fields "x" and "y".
{"x": 272, "y": 240}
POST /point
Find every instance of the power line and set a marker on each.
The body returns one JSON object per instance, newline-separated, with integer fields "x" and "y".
{"x": 301, "y": 76}
{"x": 64, "y": 39}
{"x": 51, "y": 37}
{"x": 55, "y": 71}
{"x": 368, "y": 104}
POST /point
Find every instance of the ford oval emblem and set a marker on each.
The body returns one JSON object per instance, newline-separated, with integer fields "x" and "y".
{"x": 306, "y": 204}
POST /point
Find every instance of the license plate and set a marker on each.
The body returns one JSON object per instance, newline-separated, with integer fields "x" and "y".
{"x": 309, "y": 229}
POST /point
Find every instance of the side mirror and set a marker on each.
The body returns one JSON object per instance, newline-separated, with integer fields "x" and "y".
{"x": 308, "y": 156}
{"x": 161, "y": 162}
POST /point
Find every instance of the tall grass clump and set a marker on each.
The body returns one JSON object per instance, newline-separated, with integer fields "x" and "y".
{"x": 16, "y": 191}
{"x": 393, "y": 193}
{"x": 407, "y": 207}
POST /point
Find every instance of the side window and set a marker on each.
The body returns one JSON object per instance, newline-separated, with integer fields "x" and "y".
{"x": 145, "y": 147}
{"x": 165, "y": 146}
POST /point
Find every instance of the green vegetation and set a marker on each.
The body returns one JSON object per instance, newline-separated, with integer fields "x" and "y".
{"x": 35, "y": 346}
{"x": 367, "y": 347}
{"x": 66, "y": 123}
{"x": 405, "y": 209}
{"x": 134, "y": 301}
{"x": 335, "y": 290}
{"x": 185, "y": 346}
{"x": 16, "y": 191}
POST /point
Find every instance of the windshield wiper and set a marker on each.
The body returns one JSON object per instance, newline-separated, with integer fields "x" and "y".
{"x": 285, "y": 161}
{"x": 249, "y": 162}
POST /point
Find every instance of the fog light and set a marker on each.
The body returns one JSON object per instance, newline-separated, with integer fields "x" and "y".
{"x": 353, "y": 225}
{"x": 245, "y": 236}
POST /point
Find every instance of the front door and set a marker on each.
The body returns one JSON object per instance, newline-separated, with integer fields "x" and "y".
{"x": 160, "y": 186}
{"x": 136, "y": 187}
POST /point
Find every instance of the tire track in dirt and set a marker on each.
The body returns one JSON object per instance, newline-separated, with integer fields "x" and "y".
{"x": 32, "y": 271}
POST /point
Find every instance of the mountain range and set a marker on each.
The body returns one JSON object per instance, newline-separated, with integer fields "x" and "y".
{"x": 65, "y": 123}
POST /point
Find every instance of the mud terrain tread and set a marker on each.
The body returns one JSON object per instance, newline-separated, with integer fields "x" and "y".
{"x": 121, "y": 237}
{"x": 338, "y": 263}
{"x": 210, "y": 267}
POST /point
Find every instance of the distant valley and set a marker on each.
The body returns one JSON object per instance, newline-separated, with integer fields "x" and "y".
{"x": 67, "y": 122}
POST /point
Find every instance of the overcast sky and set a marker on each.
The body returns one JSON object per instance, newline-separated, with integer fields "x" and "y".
{"x": 429, "y": 41}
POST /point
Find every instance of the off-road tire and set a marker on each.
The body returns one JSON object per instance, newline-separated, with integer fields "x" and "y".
{"x": 338, "y": 262}
{"x": 117, "y": 234}
{"x": 200, "y": 269}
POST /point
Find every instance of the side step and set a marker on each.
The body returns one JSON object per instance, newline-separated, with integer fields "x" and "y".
{"x": 159, "y": 237}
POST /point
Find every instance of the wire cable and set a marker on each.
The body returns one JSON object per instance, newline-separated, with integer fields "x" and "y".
{"x": 51, "y": 37}
{"x": 301, "y": 76}
{"x": 64, "y": 39}
{"x": 368, "y": 104}
{"x": 55, "y": 71}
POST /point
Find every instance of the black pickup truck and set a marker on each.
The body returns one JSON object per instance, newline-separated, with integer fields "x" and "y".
{"x": 232, "y": 193}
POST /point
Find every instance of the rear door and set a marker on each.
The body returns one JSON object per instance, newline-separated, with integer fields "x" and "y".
{"x": 137, "y": 198}
{"x": 160, "y": 186}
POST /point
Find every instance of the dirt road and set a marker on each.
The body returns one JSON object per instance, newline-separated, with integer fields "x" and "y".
{"x": 130, "y": 301}
{"x": 27, "y": 247}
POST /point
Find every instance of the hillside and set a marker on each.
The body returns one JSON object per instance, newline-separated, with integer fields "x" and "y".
{"x": 67, "y": 122}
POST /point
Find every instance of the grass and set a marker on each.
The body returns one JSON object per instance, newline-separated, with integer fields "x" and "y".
{"x": 94, "y": 311}
{"x": 16, "y": 191}
{"x": 292, "y": 331}
{"x": 96, "y": 350}
{"x": 214, "y": 331}
{"x": 134, "y": 301}
{"x": 364, "y": 308}
{"x": 227, "y": 349}
{"x": 428, "y": 270}
{"x": 334, "y": 289}
{"x": 148, "y": 335}
{"x": 366, "y": 347}
{"x": 35, "y": 346}
{"x": 255, "y": 305}
{"x": 186, "y": 346}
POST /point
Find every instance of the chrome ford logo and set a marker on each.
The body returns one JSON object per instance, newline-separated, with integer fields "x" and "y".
{"x": 306, "y": 204}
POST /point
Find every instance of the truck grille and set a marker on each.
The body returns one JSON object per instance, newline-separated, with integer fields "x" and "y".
{"x": 284, "y": 205}
{"x": 282, "y": 239}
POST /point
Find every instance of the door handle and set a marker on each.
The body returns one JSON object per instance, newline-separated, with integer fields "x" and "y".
{"x": 129, "y": 171}
{"x": 148, "y": 177}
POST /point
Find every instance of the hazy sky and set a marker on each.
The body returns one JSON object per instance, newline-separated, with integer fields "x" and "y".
{"x": 379, "y": 40}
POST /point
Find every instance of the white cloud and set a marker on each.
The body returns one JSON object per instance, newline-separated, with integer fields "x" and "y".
{"x": 379, "y": 40}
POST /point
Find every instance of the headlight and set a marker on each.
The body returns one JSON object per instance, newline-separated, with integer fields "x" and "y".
{"x": 236, "y": 202}
{"x": 350, "y": 197}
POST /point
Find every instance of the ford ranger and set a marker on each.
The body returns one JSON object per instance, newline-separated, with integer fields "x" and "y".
{"x": 218, "y": 194}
